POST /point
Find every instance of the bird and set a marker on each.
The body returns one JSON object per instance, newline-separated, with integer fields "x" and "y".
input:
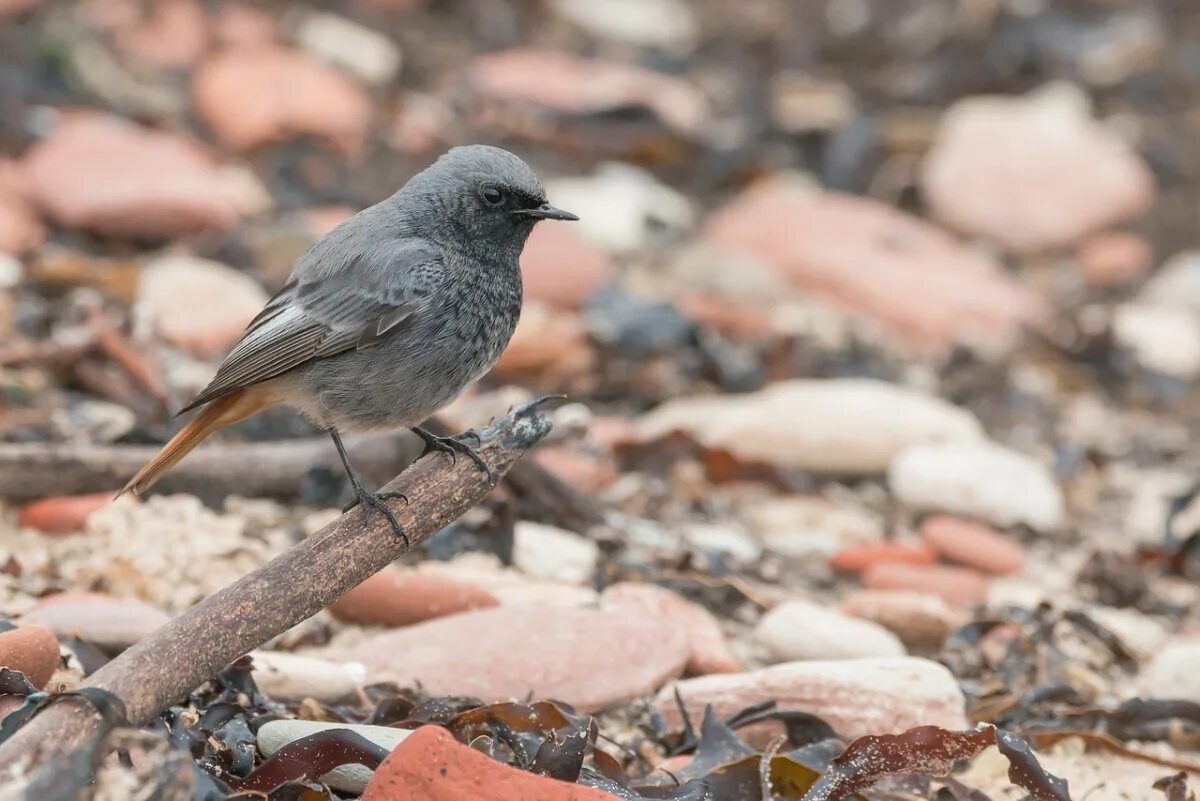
{"x": 388, "y": 318}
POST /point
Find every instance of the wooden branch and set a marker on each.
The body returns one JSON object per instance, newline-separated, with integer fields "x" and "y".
{"x": 163, "y": 668}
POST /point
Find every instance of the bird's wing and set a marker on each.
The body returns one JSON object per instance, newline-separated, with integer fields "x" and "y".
{"x": 327, "y": 314}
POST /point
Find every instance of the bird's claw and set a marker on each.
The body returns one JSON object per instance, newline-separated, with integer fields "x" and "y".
{"x": 454, "y": 446}
{"x": 374, "y": 501}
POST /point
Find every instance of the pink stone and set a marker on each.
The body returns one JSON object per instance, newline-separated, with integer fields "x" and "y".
{"x": 920, "y": 620}
{"x": 400, "y": 597}
{"x": 710, "y": 652}
{"x": 955, "y": 585}
{"x": 973, "y": 544}
{"x": 562, "y": 268}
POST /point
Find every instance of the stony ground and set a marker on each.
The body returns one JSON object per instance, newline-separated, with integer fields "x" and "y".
{"x": 881, "y": 333}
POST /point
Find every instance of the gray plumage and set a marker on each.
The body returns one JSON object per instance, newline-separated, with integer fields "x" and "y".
{"x": 403, "y": 306}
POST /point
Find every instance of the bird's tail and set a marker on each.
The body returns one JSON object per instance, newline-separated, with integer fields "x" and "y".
{"x": 222, "y": 412}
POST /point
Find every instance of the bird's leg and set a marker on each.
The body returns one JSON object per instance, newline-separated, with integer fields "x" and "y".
{"x": 366, "y": 499}
{"x": 454, "y": 445}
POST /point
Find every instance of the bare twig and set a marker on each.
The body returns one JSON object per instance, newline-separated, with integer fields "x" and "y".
{"x": 163, "y": 668}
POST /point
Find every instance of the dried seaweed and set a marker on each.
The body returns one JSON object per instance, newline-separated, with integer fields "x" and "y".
{"x": 1175, "y": 787}
{"x": 311, "y": 757}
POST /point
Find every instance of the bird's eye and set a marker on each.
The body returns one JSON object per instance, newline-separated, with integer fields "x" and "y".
{"x": 493, "y": 196}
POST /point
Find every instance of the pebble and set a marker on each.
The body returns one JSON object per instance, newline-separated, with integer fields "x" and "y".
{"x": 173, "y": 36}
{"x": 402, "y": 596}
{"x": 797, "y": 630}
{"x": 547, "y": 341}
{"x": 255, "y": 95}
{"x": 710, "y": 652}
{"x": 798, "y": 526}
{"x": 351, "y": 46}
{"x": 102, "y": 173}
{"x": 727, "y": 539}
{"x": 877, "y": 262}
{"x": 973, "y": 545}
{"x": 851, "y": 426}
{"x": 32, "y": 650}
{"x": 622, "y": 208}
{"x": 1163, "y": 338}
{"x": 919, "y": 619}
{"x": 67, "y": 514}
{"x": 237, "y": 25}
{"x": 1113, "y": 258}
{"x": 582, "y": 470}
{"x": 589, "y": 658}
{"x": 112, "y": 624}
{"x": 1176, "y": 284}
{"x": 1033, "y": 172}
{"x": 561, "y": 268}
{"x": 665, "y": 24}
{"x": 1142, "y": 634}
{"x": 1172, "y": 672}
{"x": 294, "y": 677}
{"x": 959, "y": 586}
{"x": 432, "y": 766}
{"x": 20, "y": 230}
{"x": 856, "y": 697}
{"x": 857, "y": 558}
{"x": 200, "y": 305}
{"x": 547, "y": 552}
{"x": 351, "y": 778}
{"x": 977, "y": 479}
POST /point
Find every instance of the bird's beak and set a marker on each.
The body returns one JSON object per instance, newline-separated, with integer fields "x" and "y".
{"x": 546, "y": 212}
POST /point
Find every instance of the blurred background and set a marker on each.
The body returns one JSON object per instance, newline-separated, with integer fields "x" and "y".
{"x": 886, "y": 307}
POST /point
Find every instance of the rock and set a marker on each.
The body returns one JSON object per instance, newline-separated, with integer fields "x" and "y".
{"x": 955, "y": 585}
{"x": 547, "y": 341}
{"x": 253, "y": 96}
{"x": 978, "y": 479}
{"x": 294, "y": 677}
{"x": 237, "y": 25}
{"x": 63, "y": 515}
{"x": 799, "y": 526}
{"x": 1113, "y": 258}
{"x": 710, "y": 651}
{"x": 432, "y": 766}
{"x": 727, "y": 539}
{"x": 20, "y": 230}
{"x": 622, "y": 208}
{"x": 973, "y": 544}
{"x": 1164, "y": 339}
{"x": 852, "y": 426}
{"x": 400, "y": 597}
{"x": 875, "y": 261}
{"x": 920, "y": 620}
{"x": 1176, "y": 284}
{"x": 344, "y": 43}
{"x": 1033, "y": 172}
{"x": 591, "y": 659}
{"x": 547, "y": 552}
{"x": 174, "y": 35}
{"x": 199, "y": 305}
{"x": 858, "y": 558}
{"x": 666, "y": 24}
{"x": 1141, "y": 634}
{"x": 580, "y": 469}
{"x": 1172, "y": 672}
{"x": 574, "y": 86}
{"x": 102, "y": 173}
{"x": 559, "y": 267}
{"x": 32, "y": 650}
{"x": 855, "y": 696}
{"x": 509, "y": 586}
{"x": 112, "y": 624}
{"x": 351, "y": 778}
{"x": 796, "y": 630}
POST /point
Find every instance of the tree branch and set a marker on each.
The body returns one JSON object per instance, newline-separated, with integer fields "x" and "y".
{"x": 163, "y": 668}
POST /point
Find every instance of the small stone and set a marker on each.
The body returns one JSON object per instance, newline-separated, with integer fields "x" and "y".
{"x": 1141, "y": 634}
{"x": 20, "y": 230}
{"x": 591, "y": 659}
{"x": 855, "y": 696}
{"x": 710, "y": 651}
{"x": 547, "y": 342}
{"x": 253, "y": 96}
{"x": 920, "y": 620}
{"x": 1032, "y": 172}
{"x": 294, "y": 677}
{"x": 199, "y": 305}
{"x": 237, "y": 24}
{"x": 955, "y": 585}
{"x": 799, "y": 526}
{"x": 666, "y": 24}
{"x": 547, "y": 552}
{"x": 1172, "y": 672}
{"x": 622, "y": 208}
{"x": 1164, "y": 339}
{"x": 102, "y": 173}
{"x": 858, "y": 558}
{"x": 727, "y": 539}
{"x": 980, "y": 480}
{"x": 350, "y": 778}
{"x": 344, "y": 43}
{"x": 32, "y": 650}
{"x": 852, "y": 426}
{"x": 1113, "y": 258}
{"x": 432, "y": 766}
{"x": 973, "y": 544}
{"x": 1176, "y": 284}
{"x": 581, "y": 470}
{"x": 110, "y": 623}
{"x": 64, "y": 515}
{"x": 401, "y": 597}
{"x": 173, "y": 36}
{"x": 561, "y": 268}
{"x": 797, "y": 630}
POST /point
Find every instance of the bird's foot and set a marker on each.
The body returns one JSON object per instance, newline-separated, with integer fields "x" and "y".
{"x": 454, "y": 446}
{"x": 374, "y": 501}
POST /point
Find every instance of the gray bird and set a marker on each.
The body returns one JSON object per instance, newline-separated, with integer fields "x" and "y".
{"x": 390, "y": 317}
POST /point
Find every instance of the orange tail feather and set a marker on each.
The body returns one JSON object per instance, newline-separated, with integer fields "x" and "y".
{"x": 221, "y": 412}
